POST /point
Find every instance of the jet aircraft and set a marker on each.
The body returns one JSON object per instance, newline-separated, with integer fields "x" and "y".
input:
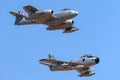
{"x": 82, "y": 65}
{"x": 55, "y": 21}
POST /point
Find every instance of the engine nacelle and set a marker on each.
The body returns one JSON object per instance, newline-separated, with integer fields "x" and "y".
{"x": 70, "y": 29}
{"x": 44, "y": 11}
{"x": 39, "y": 12}
{"x": 48, "y": 11}
{"x": 69, "y": 21}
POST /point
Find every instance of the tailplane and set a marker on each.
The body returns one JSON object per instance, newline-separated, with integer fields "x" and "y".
{"x": 19, "y": 17}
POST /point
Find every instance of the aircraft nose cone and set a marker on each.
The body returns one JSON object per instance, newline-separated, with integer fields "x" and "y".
{"x": 74, "y": 12}
{"x": 97, "y": 60}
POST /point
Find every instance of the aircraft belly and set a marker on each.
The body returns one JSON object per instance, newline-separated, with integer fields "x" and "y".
{"x": 90, "y": 64}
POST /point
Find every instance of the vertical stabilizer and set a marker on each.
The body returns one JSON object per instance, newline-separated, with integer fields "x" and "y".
{"x": 19, "y": 17}
{"x": 51, "y": 57}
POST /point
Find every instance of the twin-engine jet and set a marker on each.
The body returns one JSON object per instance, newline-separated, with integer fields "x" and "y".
{"x": 55, "y": 21}
{"x": 82, "y": 65}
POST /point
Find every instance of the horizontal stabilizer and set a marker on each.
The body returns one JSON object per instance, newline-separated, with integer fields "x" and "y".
{"x": 16, "y": 14}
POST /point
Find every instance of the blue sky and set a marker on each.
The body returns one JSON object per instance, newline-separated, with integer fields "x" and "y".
{"x": 22, "y": 46}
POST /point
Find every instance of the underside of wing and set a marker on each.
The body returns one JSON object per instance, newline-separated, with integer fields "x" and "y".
{"x": 67, "y": 25}
{"x": 85, "y": 72}
{"x": 67, "y": 29}
{"x": 30, "y": 9}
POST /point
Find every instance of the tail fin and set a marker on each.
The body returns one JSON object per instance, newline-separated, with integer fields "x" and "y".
{"x": 51, "y": 57}
{"x": 19, "y": 17}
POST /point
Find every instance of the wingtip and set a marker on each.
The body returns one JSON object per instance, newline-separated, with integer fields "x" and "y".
{"x": 27, "y": 6}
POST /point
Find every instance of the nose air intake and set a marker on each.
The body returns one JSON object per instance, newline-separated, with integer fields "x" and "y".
{"x": 52, "y": 11}
{"x": 97, "y": 60}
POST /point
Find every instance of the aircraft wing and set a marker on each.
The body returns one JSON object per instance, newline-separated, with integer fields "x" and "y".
{"x": 16, "y": 14}
{"x": 67, "y": 26}
{"x": 85, "y": 71}
{"x": 30, "y": 9}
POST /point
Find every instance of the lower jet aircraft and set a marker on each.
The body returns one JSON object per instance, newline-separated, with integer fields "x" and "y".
{"x": 82, "y": 65}
{"x": 54, "y": 21}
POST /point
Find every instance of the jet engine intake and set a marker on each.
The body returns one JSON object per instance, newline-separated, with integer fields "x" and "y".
{"x": 48, "y": 11}
{"x": 69, "y": 21}
{"x": 39, "y": 12}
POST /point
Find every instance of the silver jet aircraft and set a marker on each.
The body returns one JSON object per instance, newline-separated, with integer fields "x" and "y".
{"x": 54, "y": 21}
{"x": 82, "y": 65}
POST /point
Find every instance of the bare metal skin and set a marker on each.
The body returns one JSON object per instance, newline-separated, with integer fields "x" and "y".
{"x": 82, "y": 65}
{"x": 55, "y": 21}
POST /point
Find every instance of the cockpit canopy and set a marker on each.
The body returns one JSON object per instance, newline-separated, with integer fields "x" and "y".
{"x": 88, "y": 56}
{"x": 66, "y": 9}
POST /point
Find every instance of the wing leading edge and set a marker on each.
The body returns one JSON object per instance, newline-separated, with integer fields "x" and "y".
{"x": 30, "y": 9}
